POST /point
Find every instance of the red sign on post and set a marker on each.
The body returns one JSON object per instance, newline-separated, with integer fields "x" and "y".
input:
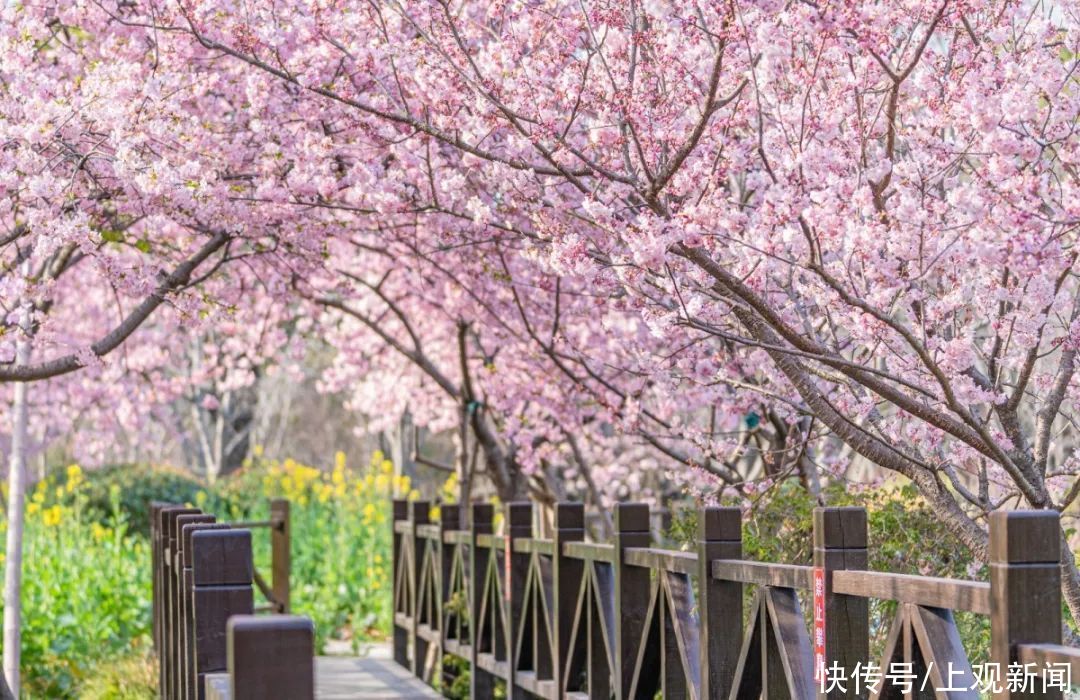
{"x": 819, "y": 625}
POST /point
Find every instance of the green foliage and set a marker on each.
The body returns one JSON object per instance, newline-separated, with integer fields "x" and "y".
{"x": 906, "y": 537}
{"x": 138, "y": 485}
{"x": 86, "y": 600}
{"x": 86, "y": 591}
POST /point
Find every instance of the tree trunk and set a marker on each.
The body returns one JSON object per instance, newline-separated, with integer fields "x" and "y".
{"x": 15, "y": 513}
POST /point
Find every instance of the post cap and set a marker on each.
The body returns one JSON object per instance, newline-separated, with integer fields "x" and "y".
{"x": 840, "y": 528}
{"x": 632, "y": 517}
{"x": 1025, "y": 537}
{"x": 569, "y": 516}
{"x": 421, "y": 511}
{"x": 720, "y": 524}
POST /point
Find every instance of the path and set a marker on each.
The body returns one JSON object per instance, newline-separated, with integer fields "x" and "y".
{"x": 373, "y": 676}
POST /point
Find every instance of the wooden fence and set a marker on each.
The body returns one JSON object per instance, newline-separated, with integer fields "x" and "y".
{"x": 562, "y": 617}
{"x": 208, "y": 642}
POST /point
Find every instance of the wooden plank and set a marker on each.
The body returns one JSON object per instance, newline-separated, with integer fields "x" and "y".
{"x": 946, "y": 659}
{"x": 1043, "y": 654}
{"x": 789, "y": 657}
{"x": 683, "y": 628}
{"x": 764, "y": 574}
{"x": 589, "y": 551}
{"x": 531, "y": 544}
{"x": 456, "y": 537}
{"x": 952, "y": 594}
{"x": 428, "y": 532}
{"x": 747, "y": 677}
{"x": 369, "y": 677}
{"x": 662, "y": 559}
{"x": 490, "y": 541}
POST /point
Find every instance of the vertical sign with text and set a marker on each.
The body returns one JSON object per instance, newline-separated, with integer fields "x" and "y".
{"x": 819, "y": 626}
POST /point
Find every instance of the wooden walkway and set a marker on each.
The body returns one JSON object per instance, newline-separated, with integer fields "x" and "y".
{"x": 374, "y": 676}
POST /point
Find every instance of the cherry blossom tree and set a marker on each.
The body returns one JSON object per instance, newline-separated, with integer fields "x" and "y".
{"x": 126, "y": 175}
{"x": 870, "y": 205}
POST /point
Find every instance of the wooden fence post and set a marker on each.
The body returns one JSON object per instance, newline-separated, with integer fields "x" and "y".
{"x": 155, "y": 568}
{"x": 271, "y": 657}
{"x": 566, "y": 574}
{"x": 840, "y": 540}
{"x": 401, "y": 635}
{"x": 188, "y": 678}
{"x": 221, "y": 569}
{"x": 280, "y": 554}
{"x": 420, "y": 514}
{"x": 184, "y": 524}
{"x": 519, "y": 515}
{"x": 632, "y": 591}
{"x": 481, "y": 683}
{"x": 170, "y": 597}
{"x": 720, "y": 603}
{"x": 1025, "y": 589}
{"x": 449, "y": 521}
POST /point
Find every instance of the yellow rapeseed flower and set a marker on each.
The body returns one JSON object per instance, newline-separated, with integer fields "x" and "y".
{"x": 51, "y": 517}
{"x": 99, "y": 531}
{"x": 74, "y": 477}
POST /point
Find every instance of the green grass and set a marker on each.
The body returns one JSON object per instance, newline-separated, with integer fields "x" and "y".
{"x": 86, "y": 595}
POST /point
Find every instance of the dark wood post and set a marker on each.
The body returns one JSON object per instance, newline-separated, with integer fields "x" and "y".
{"x": 632, "y": 590}
{"x": 271, "y": 657}
{"x": 519, "y": 520}
{"x": 221, "y": 570}
{"x": 184, "y": 524}
{"x": 481, "y": 683}
{"x": 420, "y": 514}
{"x": 280, "y": 554}
{"x": 1025, "y": 589}
{"x": 566, "y": 575}
{"x": 449, "y": 521}
{"x": 840, "y": 543}
{"x": 189, "y": 679}
{"x": 720, "y": 603}
{"x": 155, "y": 566}
{"x": 170, "y": 596}
{"x": 401, "y": 635}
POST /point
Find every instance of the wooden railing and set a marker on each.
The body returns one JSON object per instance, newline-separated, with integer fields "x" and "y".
{"x": 277, "y": 590}
{"x": 207, "y": 642}
{"x": 561, "y": 617}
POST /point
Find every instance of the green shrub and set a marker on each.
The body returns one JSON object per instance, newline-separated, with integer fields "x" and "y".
{"x": 86, "y": 589}
{"x": 905, "y": 536}
{"x": 137, "y": 485}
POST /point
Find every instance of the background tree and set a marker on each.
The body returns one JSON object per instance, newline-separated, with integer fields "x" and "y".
{"x": 874, "y": 205}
